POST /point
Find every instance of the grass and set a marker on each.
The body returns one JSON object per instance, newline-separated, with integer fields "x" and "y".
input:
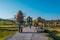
{"x": 6, "y": 34}
{"x": 52, "y": 29}
{"x": 5, "y": 23}
{"x": 53, "y": 33}
{"x": 7, "y": 29}
{"x": 54, "y": 36}
{"x": 58, "y": 34}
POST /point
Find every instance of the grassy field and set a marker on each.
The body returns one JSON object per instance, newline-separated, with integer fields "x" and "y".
{"x": 7, "y": 28}
{"x": 5, "y": 34}
{"x": 54, "y": 36}
{"x": 53, "y": 33}
{"x": 5, "y": 23}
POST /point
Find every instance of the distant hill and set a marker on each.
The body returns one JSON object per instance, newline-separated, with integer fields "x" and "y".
{"x": 1, "y": 19}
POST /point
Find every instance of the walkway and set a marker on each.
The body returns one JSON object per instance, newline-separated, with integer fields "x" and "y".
{"x": 28, "y": 34}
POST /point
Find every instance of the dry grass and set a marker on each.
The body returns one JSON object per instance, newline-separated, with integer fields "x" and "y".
{"x": 6, "y": 34}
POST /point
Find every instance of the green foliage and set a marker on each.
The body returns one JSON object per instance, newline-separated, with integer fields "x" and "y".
{"x": 6, "y": 34}
{"x": 52, "y": 34}
{"x": 3, "y": 23}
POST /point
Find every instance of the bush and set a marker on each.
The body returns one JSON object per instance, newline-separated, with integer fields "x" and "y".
{"x": 52, "y": 34}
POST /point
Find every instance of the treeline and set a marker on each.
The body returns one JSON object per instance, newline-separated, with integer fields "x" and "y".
{"x": 6, "y": 20}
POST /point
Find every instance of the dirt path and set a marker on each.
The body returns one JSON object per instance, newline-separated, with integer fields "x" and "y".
{"x": 28, "y": 34}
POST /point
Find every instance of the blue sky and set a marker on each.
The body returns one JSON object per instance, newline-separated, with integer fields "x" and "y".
{"x": 47, "y": 9}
